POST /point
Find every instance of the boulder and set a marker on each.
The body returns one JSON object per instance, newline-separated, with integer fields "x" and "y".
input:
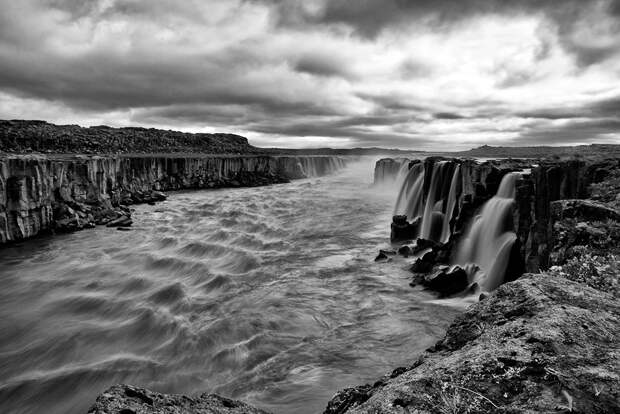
{"x": 384, "y": 255}
{"x": 447, "y": 280}
{"x": 405, "y": 251}
{"x": 122, "y": 221}
{"x": 402, "y": 230}
{"x": 127, "y": 399}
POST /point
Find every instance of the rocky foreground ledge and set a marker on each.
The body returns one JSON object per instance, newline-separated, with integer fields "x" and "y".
{"x": 125, "y": 399}
{"x": 539, "y": 344}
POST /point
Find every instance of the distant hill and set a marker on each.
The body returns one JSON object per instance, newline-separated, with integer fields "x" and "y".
{"x": 19, "y": 136}
{"x": 343, "y": 151}
{"x": 24, "y": 136}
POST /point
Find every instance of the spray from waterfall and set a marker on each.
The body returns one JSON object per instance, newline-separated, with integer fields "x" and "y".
{"x": 491, "y": 236}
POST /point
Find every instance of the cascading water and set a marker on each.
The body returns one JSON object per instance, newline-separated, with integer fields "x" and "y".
{"x": 491, "y": 236}
{"x": 429, "y": 209}
{"x": 402, "y": 171}
{"x": 410, "y": 194}
{"x": 437, "y": 209}
{"x": 455, "y": 189}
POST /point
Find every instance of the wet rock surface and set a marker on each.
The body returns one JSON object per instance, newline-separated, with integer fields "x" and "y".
{"x": 126, "y": 399}
{"x": 538, "y": 344}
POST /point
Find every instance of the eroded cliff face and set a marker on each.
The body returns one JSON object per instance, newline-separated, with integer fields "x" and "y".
{"x": 44, "y": 193}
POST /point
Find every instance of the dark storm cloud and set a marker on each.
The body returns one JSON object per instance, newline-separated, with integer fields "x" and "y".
{"x": 322, "y": 65}
{"x": 448, "y": 115}
{"x": 369, "y": 18}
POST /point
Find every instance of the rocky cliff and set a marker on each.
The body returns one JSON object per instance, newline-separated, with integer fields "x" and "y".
{"x": 54, "y": 193}
{"x": 540, "y": 183}
{"x": 538, "y": 344}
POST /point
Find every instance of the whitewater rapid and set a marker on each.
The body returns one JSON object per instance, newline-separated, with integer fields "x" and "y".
{"x": 269, "y": 295}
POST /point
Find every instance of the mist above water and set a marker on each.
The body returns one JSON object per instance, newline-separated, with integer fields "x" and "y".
{"x": 269, "y": 295}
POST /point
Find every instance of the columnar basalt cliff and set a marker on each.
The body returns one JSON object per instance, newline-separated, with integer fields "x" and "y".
{"x": 53, "y": 193}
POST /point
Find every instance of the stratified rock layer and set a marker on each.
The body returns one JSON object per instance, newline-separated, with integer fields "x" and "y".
{"x": 538, "y": 344}
{"x": 54, "y": 193}
{"x": 125, "y": 399}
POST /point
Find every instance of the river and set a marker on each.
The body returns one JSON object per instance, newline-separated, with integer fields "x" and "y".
{"x": 269, "y": 295}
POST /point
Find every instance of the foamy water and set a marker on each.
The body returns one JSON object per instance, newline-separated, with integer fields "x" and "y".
{"x": 269, "y": 295}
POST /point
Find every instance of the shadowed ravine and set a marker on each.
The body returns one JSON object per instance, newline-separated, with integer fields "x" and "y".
{"x": 269, "y": 295}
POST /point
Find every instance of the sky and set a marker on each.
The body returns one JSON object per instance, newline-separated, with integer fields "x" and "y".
{"x": 419, "y": 74}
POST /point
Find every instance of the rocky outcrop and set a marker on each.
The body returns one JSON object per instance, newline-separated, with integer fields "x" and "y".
{"x": 126, "y": 399}
{"x": 538, "y": 344}
{"x": 54, "y": 193}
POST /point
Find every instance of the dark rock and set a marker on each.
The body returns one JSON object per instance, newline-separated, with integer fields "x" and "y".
{"x": 381, "y": 257}
{"x": 405, "y": 251}
{"x": 447, "y": 281}
{"x": 423, "y": 244}
{"x": 421, "y": 266}
{"x": 130, "y": 399}
{"x": 122, "y": 221}
{"x": 401, "y": 230}
{"x": 158, "y": 196}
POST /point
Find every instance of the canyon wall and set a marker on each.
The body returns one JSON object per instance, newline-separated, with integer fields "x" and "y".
{"x": 54, "y": 193}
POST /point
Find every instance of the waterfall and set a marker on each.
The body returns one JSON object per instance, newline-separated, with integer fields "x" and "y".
{"x": 491, "y": 236}
{"x": 402, "y": 171}
{"x": 451, "y": 204}
{"x": 410, "y": 189}
{"x": 436, "y": 207}
{"x": 429, "y": 208}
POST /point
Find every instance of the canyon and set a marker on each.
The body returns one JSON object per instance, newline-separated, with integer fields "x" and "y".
{"x": 532, "y": 244}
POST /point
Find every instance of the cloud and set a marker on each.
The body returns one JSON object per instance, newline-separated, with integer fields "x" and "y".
{"x": 417, "y": 74}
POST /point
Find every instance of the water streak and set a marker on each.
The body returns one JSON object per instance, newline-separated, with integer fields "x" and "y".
{"x": 489, "y": 240}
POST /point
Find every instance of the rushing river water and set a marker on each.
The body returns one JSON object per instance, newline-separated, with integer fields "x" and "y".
{"x": 269, "y": 295}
